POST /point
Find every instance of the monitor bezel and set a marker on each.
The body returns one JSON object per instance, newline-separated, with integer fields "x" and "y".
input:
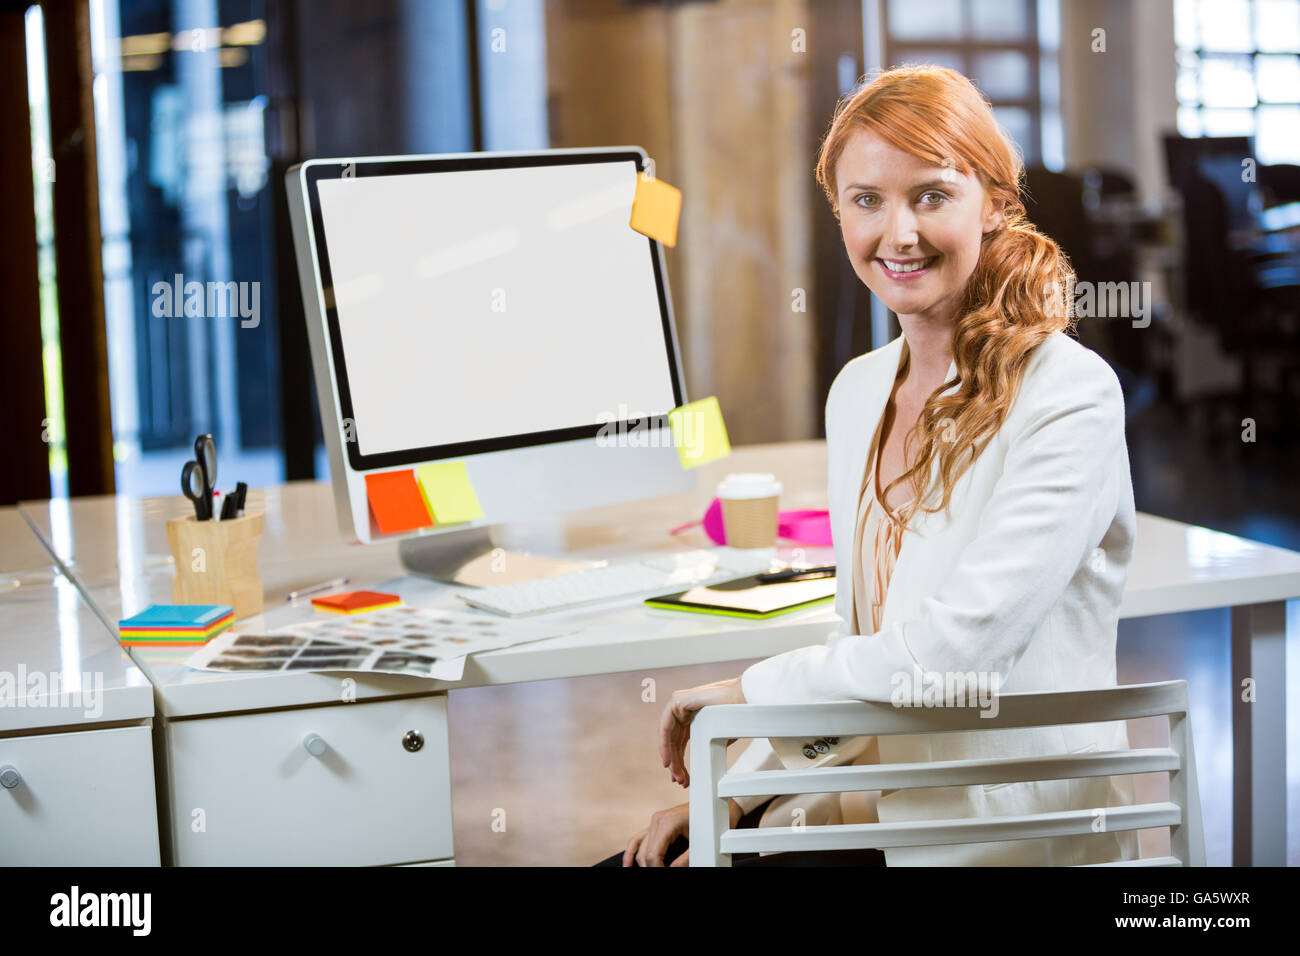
{"x": 314, "y": 171}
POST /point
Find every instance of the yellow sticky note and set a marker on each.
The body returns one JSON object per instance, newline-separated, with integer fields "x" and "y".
{"x": 447, "y": 492}
{"x": 698, "y": 432}
{"x": 655, "y": 209}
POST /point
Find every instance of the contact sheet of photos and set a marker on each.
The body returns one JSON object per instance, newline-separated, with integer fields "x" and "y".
{"x": 401, "y": 640}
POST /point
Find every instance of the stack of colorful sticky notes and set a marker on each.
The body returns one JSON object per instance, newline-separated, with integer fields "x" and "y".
{"x": 175, "y": 625}
{"x": 355, "y": 602}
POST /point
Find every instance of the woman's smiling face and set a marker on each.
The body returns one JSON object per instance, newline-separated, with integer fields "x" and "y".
{"x": 912, "y": 230}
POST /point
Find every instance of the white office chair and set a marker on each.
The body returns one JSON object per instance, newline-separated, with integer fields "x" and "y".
{"x": 712, "y": 843}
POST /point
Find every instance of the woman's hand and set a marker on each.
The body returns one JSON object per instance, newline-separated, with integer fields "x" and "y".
{"x": 647, "y": 847}
{"x": 675, "y": 727}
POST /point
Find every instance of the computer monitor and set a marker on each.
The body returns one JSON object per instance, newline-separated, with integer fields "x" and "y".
{"x": 1220, "y": 161}
{"x": 491, "y": 308}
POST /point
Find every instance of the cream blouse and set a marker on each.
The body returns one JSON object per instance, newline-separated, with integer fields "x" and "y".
{"x": 877, "y": 541}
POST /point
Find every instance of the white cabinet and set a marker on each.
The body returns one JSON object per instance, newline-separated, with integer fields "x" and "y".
{"x": 81, "y": 798}
{"x": 352, "y": 784}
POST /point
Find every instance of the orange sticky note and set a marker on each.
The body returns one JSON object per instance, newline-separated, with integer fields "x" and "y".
{"x": 655, "y": 209}
{"x": 396, "y": 503}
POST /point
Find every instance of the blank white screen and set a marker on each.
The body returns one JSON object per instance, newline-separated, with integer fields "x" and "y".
{"x": 484, "y": 303}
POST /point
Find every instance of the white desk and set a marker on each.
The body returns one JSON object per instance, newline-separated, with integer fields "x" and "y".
{"x": 116, "y": 549}
{"x": 231, "y": 745}
{"x": 75, "y": 723}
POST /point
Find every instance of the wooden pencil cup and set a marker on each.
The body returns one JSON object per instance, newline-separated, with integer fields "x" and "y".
{"x": 216, "y": 562}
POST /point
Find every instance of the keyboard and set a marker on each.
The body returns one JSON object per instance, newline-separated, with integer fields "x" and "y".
{"x": 630, "y": 581}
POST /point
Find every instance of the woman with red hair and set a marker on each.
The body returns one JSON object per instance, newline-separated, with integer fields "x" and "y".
{"x": 980, "y": 496}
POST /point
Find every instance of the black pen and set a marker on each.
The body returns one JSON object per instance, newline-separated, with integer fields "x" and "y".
{"x": 796, "y": 574}
{"x": 229, "y": 506}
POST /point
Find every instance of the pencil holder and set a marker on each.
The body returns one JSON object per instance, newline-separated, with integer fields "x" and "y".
{"x": 216, "y": 562}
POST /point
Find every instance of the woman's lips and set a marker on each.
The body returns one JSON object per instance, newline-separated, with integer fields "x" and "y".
{"x": 927, "y": 265}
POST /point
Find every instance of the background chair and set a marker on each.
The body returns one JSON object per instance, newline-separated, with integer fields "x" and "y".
{"x": 1089, "y": 214}
{"x": 1239, "y": 279}
{"x": 712, "y": 842}
{"x": 1280, "y": 184}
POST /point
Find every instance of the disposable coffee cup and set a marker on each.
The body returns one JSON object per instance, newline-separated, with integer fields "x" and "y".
{"x": 749, "y": 509}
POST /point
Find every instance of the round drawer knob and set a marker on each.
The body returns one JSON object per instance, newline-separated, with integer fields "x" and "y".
{"x": 315, "y": 744}
{"x": 9, "y": 777}
{"x": 412, "y": 740}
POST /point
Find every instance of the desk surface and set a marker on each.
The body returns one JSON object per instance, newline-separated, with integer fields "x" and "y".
{"x": 117, "y": 550}
{"x": 52, "y": 645}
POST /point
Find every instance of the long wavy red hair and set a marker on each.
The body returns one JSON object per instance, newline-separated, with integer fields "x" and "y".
{"x": 1016, "y": 296}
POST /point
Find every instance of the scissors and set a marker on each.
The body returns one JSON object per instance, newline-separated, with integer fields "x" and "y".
{"x": 199, "y": 476}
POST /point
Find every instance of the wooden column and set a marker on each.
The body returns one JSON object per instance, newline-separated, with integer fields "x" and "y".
{"x": 78, "y": 258}
{"x": 26, "y": 471}
{"x": 718, "y": 97}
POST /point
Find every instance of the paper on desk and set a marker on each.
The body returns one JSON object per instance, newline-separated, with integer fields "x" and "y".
{"x": 402, "y": 640}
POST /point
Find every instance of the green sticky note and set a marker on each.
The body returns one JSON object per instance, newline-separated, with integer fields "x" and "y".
{"x": 698, "y": 432}
{"x": 447, "y": 492}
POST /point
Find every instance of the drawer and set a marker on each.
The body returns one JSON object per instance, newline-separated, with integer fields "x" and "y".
{"x": 84, "y": 798}
{"x": 246, "y": 791}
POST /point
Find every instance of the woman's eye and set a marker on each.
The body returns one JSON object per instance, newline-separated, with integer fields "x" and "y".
{"x": 867, "y": 201}
{"x": 932, "y": 198}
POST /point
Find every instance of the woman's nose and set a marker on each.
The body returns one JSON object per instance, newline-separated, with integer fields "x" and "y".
{"x": 900, "y": 229}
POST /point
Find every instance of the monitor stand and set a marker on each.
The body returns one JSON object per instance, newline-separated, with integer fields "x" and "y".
{"x": 470, "y": 558}
{"x": 441, "y": 556}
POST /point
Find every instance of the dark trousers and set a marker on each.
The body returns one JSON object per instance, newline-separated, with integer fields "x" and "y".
{"x": 797, "y": 858}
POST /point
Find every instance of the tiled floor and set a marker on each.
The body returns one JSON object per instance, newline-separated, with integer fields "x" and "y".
{"x": 563, "y": 772}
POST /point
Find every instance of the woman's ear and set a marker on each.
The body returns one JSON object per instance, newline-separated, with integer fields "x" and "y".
{"x": 992, "y": 216}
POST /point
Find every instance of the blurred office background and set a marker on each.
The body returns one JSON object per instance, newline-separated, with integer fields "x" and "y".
{"x": 1162, "y": 140}
{"x": 161, "y": 129}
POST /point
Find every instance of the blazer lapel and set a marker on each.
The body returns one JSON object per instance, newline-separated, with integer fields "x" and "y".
{"x": 870, "y": 406}
{"x": 899, "y": 579}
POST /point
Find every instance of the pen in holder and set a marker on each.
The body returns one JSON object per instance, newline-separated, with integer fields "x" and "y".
{"x": 216, "y": 562}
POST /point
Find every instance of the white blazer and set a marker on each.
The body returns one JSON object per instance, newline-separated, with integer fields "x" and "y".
{"x": 1021, "y": 579}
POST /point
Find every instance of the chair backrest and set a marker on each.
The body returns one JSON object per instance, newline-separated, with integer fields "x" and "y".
{"x": 1108, "y": 182}
{"x": 1280, "y": 182}
{"x": 712, "y": 843}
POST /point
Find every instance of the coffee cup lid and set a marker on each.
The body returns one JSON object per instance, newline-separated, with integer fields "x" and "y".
{"x": 749, "y": 484}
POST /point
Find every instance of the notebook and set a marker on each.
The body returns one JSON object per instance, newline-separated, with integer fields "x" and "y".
{"x": 745, "y": 597}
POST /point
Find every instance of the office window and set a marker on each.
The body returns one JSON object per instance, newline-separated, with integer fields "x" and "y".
{"x": 1008, "y": 47}
{"x": 1239, "y": 72}
{"x": 189, "y": 129}
{"x": 183, "y": 171}
{"x": 42, "y": 168}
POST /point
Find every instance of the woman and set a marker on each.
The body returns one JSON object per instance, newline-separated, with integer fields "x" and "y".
{"x": 979, "y": 489}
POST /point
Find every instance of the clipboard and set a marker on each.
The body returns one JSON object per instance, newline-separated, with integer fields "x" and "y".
{"x": 745, "y": 597}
